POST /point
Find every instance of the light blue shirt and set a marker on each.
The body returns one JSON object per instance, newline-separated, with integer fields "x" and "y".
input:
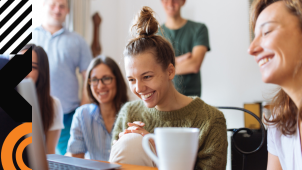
{"x": 66, "y": 51}
{"x": 88, "y": 133}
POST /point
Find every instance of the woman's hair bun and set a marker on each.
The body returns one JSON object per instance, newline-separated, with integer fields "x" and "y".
{"x": 144, "y": 24}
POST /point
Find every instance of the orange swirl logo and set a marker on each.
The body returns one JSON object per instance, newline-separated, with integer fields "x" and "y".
{"x": 10, "y": 142}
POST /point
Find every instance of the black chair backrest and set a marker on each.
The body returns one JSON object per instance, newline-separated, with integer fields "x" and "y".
{"x": 250, "y": 132}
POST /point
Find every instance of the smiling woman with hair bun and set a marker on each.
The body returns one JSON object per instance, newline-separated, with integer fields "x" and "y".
{"x": 150, "y": 68}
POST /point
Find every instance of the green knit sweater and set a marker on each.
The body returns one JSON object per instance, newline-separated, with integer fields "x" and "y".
{"x": 212, "y": 148}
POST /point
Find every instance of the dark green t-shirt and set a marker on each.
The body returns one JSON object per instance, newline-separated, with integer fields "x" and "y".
{"x": 183, "y": 40}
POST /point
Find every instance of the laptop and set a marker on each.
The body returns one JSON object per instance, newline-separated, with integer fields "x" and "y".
{"x": 36, "y": 152}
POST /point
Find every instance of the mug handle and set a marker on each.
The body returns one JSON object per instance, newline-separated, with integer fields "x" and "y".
{"x": 147, "y": 149}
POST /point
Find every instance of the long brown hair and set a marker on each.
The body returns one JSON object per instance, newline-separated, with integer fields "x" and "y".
{"x": 144, "y": 38}
{"x": 43, "y": 86}
{"x": 121, "y": 96}
{"x": 284, "y": 110}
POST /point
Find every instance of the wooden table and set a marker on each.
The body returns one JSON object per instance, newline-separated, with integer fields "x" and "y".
{"x": 125, "y": 166}
{"x": 133, "y": 167}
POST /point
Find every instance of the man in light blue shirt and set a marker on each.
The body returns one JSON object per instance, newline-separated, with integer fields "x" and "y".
{"x": 66, "y": 51}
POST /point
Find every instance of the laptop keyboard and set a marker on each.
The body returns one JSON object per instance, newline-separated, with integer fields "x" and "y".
{"x": 60, "y": 166}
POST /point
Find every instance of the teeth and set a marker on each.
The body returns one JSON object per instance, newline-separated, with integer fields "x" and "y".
{"x": 263, "y": 61}
{"x": 147, "y": 95}
{"x": 103, "y": 93}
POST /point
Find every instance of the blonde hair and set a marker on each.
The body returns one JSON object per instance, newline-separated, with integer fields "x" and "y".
{"x": 294, "y": 7}
{"x": 284, "y": 110}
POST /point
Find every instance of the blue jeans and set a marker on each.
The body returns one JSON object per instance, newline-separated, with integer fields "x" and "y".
{"x": 65, "y": 134}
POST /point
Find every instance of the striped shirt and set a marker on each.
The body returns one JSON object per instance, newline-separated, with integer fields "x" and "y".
{"x": 88, "y": 134}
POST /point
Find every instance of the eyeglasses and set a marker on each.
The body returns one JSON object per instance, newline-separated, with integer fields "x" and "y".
{"x": 104, "y": 80}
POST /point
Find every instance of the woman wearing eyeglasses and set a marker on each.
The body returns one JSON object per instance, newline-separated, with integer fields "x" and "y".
{"x": 50, "y": 106}
{"x": 92, "y": 123}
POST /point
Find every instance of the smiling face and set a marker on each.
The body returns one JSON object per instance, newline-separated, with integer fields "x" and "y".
{"x": 34, "y": 74}
{"x": 172, "y": 7}
{"x": 147, "y": 79}
{"x": 56, "y": 11}
{"x": 101, "y": 92}
{"x": 277, "y": 44}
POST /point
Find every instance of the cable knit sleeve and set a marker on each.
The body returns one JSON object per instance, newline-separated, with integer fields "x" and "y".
{"x": 121, "y": 122}
{"x": 212, "y": 152}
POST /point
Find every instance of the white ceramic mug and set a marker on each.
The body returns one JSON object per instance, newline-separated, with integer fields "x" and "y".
{"x": 176, "y": 147}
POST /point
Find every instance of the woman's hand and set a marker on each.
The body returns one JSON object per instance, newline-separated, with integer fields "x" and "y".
{"x": 135, "y": 127}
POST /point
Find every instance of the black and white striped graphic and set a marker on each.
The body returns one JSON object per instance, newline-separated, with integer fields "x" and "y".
{"x": 15, "y": 21}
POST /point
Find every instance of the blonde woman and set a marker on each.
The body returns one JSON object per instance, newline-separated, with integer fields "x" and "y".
{"x": 277, "y": 49}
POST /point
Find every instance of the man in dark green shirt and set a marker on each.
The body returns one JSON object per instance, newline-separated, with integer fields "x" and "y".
{"x": 190, "y": 41}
